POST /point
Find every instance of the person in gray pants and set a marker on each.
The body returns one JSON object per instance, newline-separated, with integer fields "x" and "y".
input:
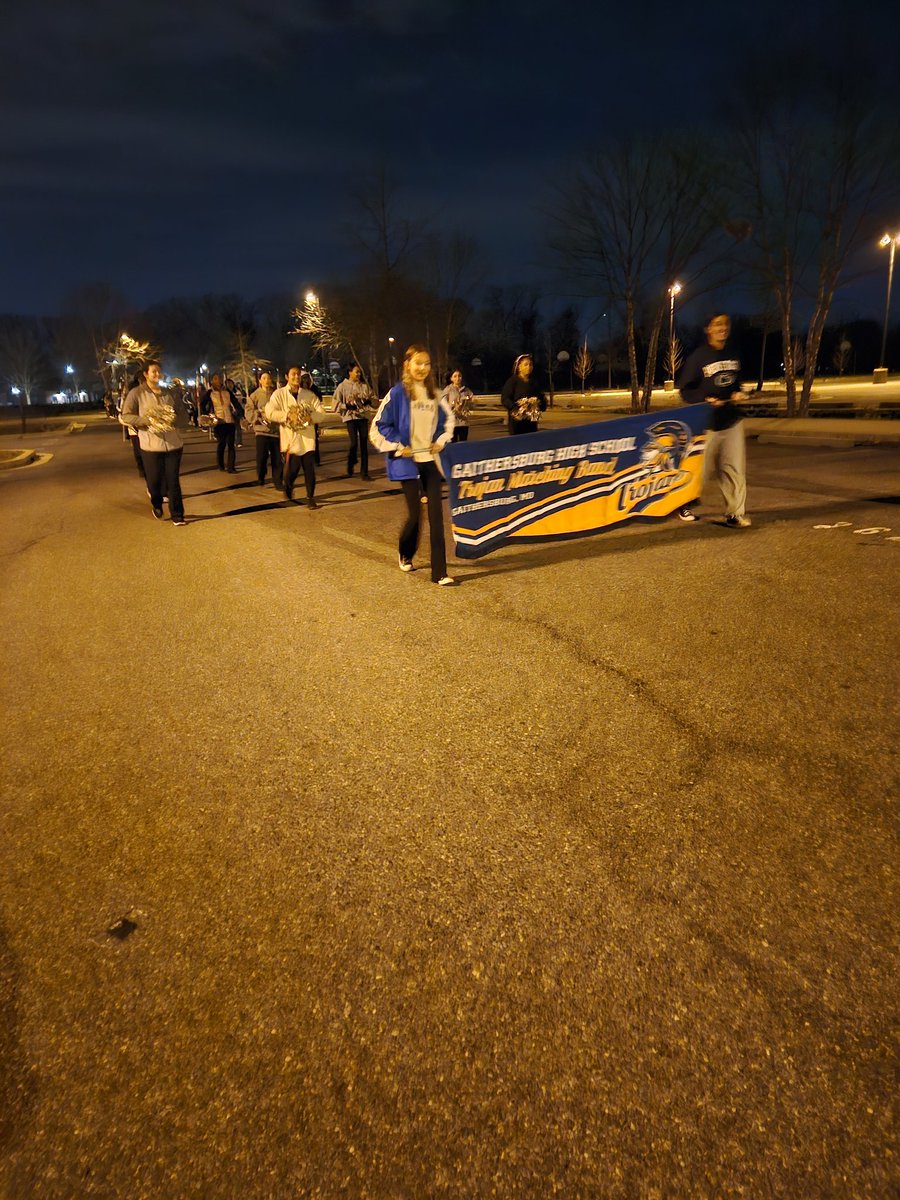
{"x": 712, "y": 375}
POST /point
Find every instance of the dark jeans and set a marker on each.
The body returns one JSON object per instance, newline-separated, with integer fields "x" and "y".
{"x": 292, "y": 465}
{"x": 461, "y": 433}
{"x": 430, "y": 478}
{"x": 358, "y": 432}
{"x": 161, "y": 468}
{"x": 267, "y": 448}
{"x": 522, "y": 426}
{"x": 136, "y": 450}
{"x": 224, "y": 435}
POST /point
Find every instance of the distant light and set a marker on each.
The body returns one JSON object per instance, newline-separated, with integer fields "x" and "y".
{"x": 312, "y": 298}
{"x": 16, "y": 391}
{"x": 890, "y": 237}
{"x": 70, "y": 370}
{"x": 675, "y": 289}
{"x": 203, "y": 367}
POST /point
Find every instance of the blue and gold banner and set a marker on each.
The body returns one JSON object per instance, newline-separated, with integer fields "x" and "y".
{"x": 567, "y": 483}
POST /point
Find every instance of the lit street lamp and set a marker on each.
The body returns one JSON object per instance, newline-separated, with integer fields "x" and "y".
{"x": 674, "y": 290}
{"x": 892, "y": 240}
{"x": 70, "y": 371}
{"x": 391, "y": 361}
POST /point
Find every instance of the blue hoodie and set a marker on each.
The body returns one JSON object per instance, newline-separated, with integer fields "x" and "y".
{"x": 389, "y": 431}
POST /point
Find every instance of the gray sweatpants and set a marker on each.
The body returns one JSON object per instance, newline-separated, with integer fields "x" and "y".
{"x": 725, "y": 461}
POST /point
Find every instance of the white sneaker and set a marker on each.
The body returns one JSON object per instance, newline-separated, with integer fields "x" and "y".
{"x": 446, "y": 581}
{"x": 406, "y": 565}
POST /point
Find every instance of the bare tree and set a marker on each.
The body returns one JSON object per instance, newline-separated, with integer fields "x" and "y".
{"x": 638, "y": 215}
{"x": 23, "y": 359}
{"x": 323, "y": 325}
{"x": 584, "y": 364}
{"x": 674, "y": 357}
{"x": 94, "y": 315}
{"x": 452, "y": 269}
{"x": 841, "y": 357}
{"x": 123, "y": 352}
{"x": 819, "y": 170}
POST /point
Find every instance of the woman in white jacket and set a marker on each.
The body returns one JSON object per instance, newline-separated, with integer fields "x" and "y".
{"x": 296, "y": 411}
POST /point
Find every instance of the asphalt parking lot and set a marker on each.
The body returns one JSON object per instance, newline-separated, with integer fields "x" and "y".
{"x": 574, "y": 880}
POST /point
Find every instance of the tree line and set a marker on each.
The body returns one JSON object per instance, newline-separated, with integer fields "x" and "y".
{"x": 801, "y": 174}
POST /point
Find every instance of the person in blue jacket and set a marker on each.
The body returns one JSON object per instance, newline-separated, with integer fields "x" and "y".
{"x": 412, "y": 426}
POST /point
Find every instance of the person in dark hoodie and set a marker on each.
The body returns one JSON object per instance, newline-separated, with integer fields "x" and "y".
{"x": 712, "y": 375}
{"x": 522, "y": 398}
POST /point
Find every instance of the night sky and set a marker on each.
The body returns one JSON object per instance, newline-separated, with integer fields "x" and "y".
{"x": 176, "y": 147}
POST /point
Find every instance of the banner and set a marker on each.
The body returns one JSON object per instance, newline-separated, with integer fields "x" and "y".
{"x": 567, "y": 483}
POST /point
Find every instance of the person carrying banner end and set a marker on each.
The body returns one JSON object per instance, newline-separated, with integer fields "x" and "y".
{"x": 710, "y": 376}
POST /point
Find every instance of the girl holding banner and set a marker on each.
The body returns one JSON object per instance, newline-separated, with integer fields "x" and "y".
{"x": 412, "y": 426}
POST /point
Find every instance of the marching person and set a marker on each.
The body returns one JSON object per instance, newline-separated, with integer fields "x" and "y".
{"x": 268, "y": 448}
{"x": 132, "y": 434}
{"x": 221, "y": 403}
{"x": 412, "y": 426}
{"x": 353, "y": 402}
{"x": 460, "y": 399}
{"x": 159, "y": 427}
{"x": 522, "y": 398}
{"x": 307, "y": 381}
{"x": 239, "y": 396}
{"x": 296, "y": 411}
{"x": 712, "y": 375}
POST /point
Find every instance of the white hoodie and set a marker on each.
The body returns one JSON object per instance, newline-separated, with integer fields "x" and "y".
{"x": 295, "y": 441}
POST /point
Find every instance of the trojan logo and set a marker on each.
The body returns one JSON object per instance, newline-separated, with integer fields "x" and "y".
{"x": 666, "y": 446}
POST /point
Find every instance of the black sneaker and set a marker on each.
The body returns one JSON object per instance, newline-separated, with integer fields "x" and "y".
{"x": 179, "y": 521}
{"x": 738, "y": 522}
{"x": 311, "y": 503}
{"x": 685, "y": 514}
{"x": 157, "y": 511}
{"x": 367, "y": 477}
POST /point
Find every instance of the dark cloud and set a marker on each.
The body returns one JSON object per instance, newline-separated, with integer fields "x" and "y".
{"x": 221, "y": 139}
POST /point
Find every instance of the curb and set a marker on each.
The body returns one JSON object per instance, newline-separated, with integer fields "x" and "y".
{"x": 16, "y": 458}
{"x": 823, "y": 431}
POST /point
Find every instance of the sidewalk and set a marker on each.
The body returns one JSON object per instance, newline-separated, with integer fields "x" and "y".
{"x": 859, "y": 429}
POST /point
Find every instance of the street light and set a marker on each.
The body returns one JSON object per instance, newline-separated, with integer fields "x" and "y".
{"x": 674, "y": 290}
{"x": 70, "y": 370}
{"x": 311, "y": 299}
{"x": 390, "y": 362}
{"x": 892, "y": 240}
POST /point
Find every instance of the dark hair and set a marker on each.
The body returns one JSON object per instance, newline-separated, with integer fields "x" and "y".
{"x": 712, "y": 316}
{"x": 154, "y": 362}
{"x": 292, "y": 367}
